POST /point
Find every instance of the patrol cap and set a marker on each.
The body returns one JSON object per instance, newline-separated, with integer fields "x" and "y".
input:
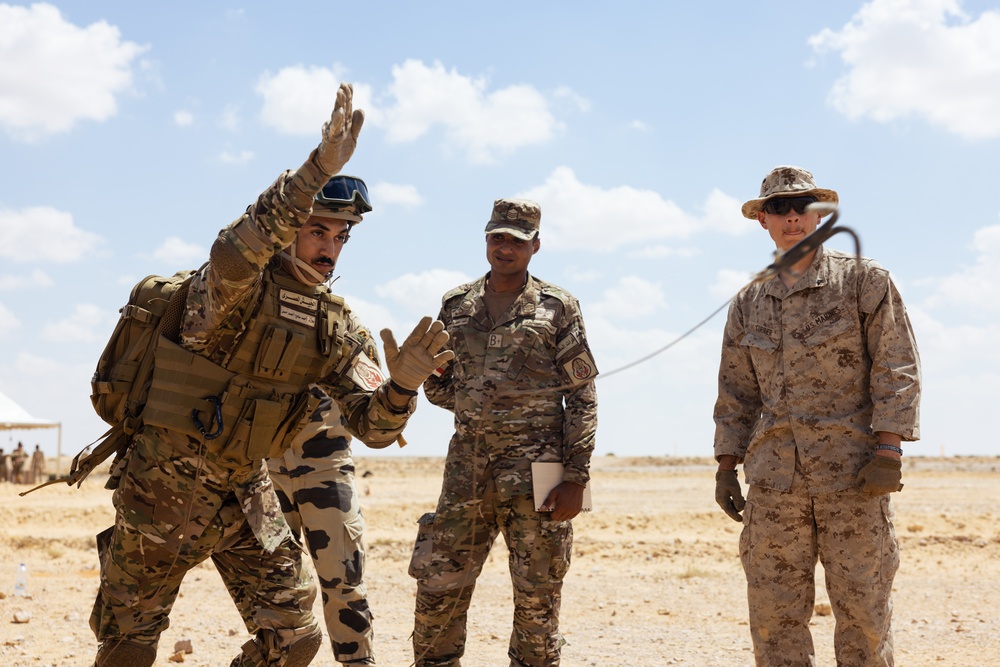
{"x": 343, "y": 197}
{"x": 787, "y": 181}
{"x": 518, "y": 217}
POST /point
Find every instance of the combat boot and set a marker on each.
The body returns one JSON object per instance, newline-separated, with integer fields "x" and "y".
{"x": 123, "y": 653}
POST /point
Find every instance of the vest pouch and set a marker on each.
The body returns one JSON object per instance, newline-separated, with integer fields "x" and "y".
{"x": 251, "y": 437}
{"x": 250, "y": 423}
{"x": 299, "y": 415}
{"x": 278, "y": 353}
{"x": 181, "y": 381}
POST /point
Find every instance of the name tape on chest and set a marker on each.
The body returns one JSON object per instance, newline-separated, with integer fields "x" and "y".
{"x": 300, "y": 300}
{"x": 365, "y": 373}
{"x": 298, "y": 316}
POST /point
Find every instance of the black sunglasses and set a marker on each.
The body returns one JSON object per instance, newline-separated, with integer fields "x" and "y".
{"x": 780, "y": 205}
{"x": 341, "y": 190}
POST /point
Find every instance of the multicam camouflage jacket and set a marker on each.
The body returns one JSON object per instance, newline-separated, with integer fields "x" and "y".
{"x": 223, "y": 310}
{"x": 818, "y": 368}
{"x": 521, "y": 389}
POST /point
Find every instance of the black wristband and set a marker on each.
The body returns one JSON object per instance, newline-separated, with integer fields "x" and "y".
{"x": 889, "y": 448}
{"x": 406, "y": 392}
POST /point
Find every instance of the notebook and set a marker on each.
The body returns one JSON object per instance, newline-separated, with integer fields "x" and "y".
{"x": 545, "y": 476}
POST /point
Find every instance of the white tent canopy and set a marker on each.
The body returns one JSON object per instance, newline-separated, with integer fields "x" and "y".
{"x": 14, "y": 417}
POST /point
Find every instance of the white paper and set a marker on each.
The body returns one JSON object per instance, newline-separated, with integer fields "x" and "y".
{"x": 545, "y": 476}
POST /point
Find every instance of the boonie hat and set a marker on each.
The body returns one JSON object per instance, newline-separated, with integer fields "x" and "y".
{"x": 518, "y": 217}
{"x": 787, "y": 181}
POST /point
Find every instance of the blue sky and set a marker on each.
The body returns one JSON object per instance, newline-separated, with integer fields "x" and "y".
{"x": 130, "y": 133}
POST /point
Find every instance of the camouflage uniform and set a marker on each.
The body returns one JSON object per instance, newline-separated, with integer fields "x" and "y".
{"x": 17, "y": 459}
{"x": 177, "y": 505}
{"x": 516, "y": 400}
{"x": 808, "y": 375}
{"x": 314, "y": 479}
{"x": 37, "y": 466}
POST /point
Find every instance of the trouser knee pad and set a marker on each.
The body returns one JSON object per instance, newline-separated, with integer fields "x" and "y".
{"x": 123, "y": 653}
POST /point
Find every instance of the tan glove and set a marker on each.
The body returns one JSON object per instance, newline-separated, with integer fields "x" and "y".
{"x": 728, "y": 493}
{"x": 340, "y": 133}
{"x": 880, "y": 476}
{"x": 419, "y": 355}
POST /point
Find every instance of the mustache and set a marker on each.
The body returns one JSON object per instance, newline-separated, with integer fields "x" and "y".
{"x": 325, "y": 261}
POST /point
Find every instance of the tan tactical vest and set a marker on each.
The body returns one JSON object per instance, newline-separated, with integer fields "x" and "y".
{"x": 251, "y": 405}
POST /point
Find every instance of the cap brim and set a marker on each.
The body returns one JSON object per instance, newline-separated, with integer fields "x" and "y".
{"x": 752, "y": 208}
{"x": 516, "y": 232}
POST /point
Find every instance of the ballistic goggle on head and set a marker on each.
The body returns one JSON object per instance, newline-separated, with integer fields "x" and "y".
{"x": 342, "y": 192}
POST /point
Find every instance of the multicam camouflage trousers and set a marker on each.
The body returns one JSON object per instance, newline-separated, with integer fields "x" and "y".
{"x": 173, "y": 512}
{"x": 451, "y": 547}
{"x": 315, "y": 485}
{"x": 853, "y": 536}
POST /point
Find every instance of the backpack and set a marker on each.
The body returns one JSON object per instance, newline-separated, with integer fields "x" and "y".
{"x": 124, "y": 372}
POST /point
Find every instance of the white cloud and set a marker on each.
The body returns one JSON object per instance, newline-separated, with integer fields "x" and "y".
{"x": 420, "y": 293}
{"x": 37, "y": 278}
{"x": 176, "y": 251}
{"x": 394, "y": 193}
{"x": 923, "y": 58}
{"x": 8, "y": 322}
{"x": 21, "y": 233}
{"x": 580, "y": 216}
{"x": 976, "y": 286}
{"x": 658, "y": 251}
{"x": 80, "y": 326}
{"x": 567, "y": 93}
{"x": 237, "y": 158}
{"x": 231, "y": 118}
{"x": 638, "y": 125}
{"x": 54, "y": 74}
{"x": 183, "y": 118}
{"x": 299, "y": 99}
{"x": 484, "y": 125}
{"x": 728, "y": 282}
{"x": 631, "y": 297}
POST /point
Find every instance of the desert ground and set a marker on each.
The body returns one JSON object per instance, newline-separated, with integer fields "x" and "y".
{"x": 655, "y": 579}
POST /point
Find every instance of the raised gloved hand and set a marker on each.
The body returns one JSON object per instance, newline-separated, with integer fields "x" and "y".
{"x": 419, "y": 355}
{"x": 728, "y": 493}
{"x": 880, "y": 476}
{"x": 340, "y": 133}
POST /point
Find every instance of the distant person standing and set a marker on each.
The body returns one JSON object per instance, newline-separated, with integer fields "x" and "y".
{"x": 819, "y": 385}
{"x": 17, "y": 459}
{"x": 4, "y": 468}
{"x": 37, "y": 465}
{"x": 521, "y": 389}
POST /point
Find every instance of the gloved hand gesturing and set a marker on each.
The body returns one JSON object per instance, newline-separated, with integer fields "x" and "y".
{"x": 340, "y": 133}
{"x": 728, "y": 493}
{"x": 880, "y": 476}
{"x": 411, "y": 364}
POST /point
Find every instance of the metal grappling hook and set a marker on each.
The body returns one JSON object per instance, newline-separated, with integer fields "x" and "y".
{"x": 784, "y": 261}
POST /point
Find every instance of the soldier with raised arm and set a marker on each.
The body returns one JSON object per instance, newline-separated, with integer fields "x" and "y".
{"x": 263, "y": 346}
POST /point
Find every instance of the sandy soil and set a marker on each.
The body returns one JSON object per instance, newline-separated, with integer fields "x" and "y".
{"x": 655, "y": 579}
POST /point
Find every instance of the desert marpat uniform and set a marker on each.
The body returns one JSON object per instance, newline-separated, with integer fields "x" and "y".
{"x": 314, "y": 479}
{"x": 182, "y": 498}
{"x": 521, "y": 390}
{"x": 808, "y": 375}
